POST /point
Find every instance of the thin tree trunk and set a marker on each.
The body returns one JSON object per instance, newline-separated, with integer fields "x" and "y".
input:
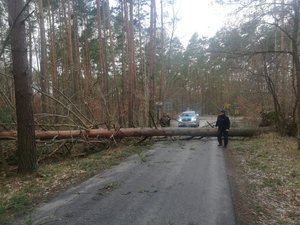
{"x": 88, "y": 85}
{"x": 124, "y": 62}
{"x": 65, "y": 62}
{"x": 131, "y": 69}
{"x": 70, "y": 51}
{"x": 53, "y": 56}
{"x": 162, "y": 85}
{"x": 77, "y": 66}
{"x": 143, "y": 72}
{"x": 152, "y": 49}
{"x": 101, "y": 64}
{"x": 43, "y": 61}
{"x": 296, "y": 60}
{"x": 104, "y": 52}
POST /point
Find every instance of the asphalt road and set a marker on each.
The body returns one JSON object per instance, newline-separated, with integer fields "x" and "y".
{"x": 174, "y": 183}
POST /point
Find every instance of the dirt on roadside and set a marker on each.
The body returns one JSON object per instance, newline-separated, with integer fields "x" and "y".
{"x": 242, "y": 200}
{"x": 264, "y": 174}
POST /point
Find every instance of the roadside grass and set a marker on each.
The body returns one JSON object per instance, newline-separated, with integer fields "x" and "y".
{"x": 268, "y": 178}
{"x": 20, "y": 194}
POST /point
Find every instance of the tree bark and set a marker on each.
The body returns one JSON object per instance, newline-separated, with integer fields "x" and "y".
{"x": 53, "y": 57}
{"x": 115, "y": 93}
{"x": 152, "y": 51}
{"x": 131, "y": 65}
{"x": 43, "y": 60}
{"x": 26, "y": 148}
{"x": 77, "y": 82}
{"x": 296, "y": 61}
{"x": 136, "y": 132}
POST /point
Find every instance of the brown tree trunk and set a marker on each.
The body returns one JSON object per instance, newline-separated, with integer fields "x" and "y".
{"x": 88, "y": 81}
{"x": 69, "y": 77}
{"x": 137, "y": 132}
{"x": 124, "y": 84}
{"x": 115, "y": 94}
{"x": 26, "y": 148}
{"x": 162, "y": 82}
{"x": 131, "y": 64}
{"x": 53, "y": 56}
{"x": 101, "y": 63}
{"x": 43, "y": 61}
{"x": 296, "y": 61}
{"x": 77, "y": 84}
{"x": 144, "y": 107}
{"x": 152, "y": 49}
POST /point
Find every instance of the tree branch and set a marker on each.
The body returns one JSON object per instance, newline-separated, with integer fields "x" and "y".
{"x": 12, "y": 27}
{"x": 63, "y": 105}
{"x": 250, "y": 53}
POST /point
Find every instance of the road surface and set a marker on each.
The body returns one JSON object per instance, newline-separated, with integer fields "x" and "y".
{"x": 181, "y": 182}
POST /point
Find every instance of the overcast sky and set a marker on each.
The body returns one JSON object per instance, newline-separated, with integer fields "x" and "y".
{"x": 202, "y": 16}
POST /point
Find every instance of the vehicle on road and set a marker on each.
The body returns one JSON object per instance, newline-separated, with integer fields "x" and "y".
{"x": 188, "y": 119}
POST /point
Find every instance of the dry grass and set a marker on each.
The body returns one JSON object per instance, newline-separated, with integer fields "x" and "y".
{"x": 268, "y": 179}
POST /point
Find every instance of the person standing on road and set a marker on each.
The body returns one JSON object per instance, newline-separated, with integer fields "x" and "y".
{"x": 223, "y": 124}
{"x": 165, "y": 120}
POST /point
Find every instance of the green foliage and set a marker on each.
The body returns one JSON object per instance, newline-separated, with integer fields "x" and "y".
{"x": 87, "y": 165}
{"x": 2, "y": 213}
{"x": 19, "y": 202}
{"x": 267, "y": 119}
{"x": 6, "y": 115}
{"x": 273, "y": 182}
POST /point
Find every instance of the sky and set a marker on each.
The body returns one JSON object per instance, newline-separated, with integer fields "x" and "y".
{"x": 201, "y": 16}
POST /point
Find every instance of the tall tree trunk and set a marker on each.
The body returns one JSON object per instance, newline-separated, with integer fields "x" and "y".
{"x": 70, "y": 51}
{"x": 112, "y": 54}
{"x": 131, "y": 65}
{"x": 152, "y": 49}
{"x": 101, "y": 64}
{"x": 53, "y": 56}
{"x": 143, "y": 71}
{"x": 43, "y": 60}
{"x": 77, "y": 84}
{"x": 30, "y": 40}
{"x": 162, "y": 85}
{"x": 26, "y": 148}
{"x": 124, "y": 62}
{"x": 296, "y": 60}
{"x": 104, "y": 52}
{"x": 88, "y": 81}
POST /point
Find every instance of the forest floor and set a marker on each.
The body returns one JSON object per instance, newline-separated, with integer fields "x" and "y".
{"x": 264, "y": 174}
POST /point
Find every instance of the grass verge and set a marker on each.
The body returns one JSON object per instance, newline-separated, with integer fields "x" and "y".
{"x": 267, "y": 179}
{"x": 20, "y": 194}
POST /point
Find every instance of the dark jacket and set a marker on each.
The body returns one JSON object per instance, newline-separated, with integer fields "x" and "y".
{"x": 223, "y": 122}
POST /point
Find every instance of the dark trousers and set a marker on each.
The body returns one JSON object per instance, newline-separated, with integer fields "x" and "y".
{"x": 223, "y": 133}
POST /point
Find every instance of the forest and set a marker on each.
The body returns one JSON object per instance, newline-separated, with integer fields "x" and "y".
{"x": 81, "y": 64}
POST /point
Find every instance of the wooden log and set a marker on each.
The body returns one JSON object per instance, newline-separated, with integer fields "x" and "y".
{"x": 136, "y": 132}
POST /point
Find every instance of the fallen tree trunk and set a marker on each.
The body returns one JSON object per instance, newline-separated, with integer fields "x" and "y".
{"x": 136, "y": 132}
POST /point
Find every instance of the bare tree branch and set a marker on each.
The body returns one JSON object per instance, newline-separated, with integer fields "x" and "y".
{"x": 5, "y": 43}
